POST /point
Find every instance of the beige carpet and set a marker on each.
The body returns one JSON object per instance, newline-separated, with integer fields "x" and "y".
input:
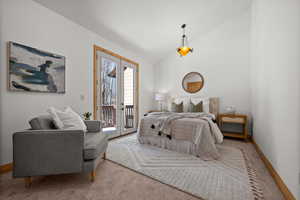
{"x": 229, "y": 178}
{"x": 114, "y": 182}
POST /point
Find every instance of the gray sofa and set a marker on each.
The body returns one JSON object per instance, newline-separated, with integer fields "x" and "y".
{"x": 44, "y": 150}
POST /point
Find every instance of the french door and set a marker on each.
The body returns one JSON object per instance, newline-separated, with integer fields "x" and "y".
{"x": 115, "y": 92}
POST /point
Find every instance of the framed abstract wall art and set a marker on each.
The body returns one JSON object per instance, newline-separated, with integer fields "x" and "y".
{"x": 34, "y": 70}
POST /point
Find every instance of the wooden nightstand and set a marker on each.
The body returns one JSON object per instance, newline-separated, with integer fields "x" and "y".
{"x": 234, "y": 119}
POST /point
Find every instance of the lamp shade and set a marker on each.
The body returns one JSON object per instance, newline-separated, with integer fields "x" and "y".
{"x": 160, "y": 96}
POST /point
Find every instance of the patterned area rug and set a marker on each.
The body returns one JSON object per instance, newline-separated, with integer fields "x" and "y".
{"x": 230, "y": 178}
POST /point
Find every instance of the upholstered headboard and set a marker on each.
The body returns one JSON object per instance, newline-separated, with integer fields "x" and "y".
{"x": 214, "y": 105}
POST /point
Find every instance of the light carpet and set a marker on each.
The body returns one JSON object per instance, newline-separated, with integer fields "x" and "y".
{"x": 229, "y": 178}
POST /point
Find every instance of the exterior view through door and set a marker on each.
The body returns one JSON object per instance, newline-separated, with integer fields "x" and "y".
{"x": 115, "y": 92}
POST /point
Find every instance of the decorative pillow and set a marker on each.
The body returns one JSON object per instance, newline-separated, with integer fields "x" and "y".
{"x": 67, "y": 119}
{"x": 196, "y": 107}
{"x": 177, "y": 107}
{"x": 178, "y": 100}
{"x": 56, "y": 120}
{"x": 42, "y": 123}
{"x": 205, "y": 103}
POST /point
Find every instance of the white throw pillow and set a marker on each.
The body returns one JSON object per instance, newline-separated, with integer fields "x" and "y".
{"x": 67, "y": 119}
{"x": 205, "y": 104}
{"x": 196, "y": 101}
{"x": 56, "y": 120}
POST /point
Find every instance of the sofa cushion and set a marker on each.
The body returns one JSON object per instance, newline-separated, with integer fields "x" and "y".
{"x": 94, "y": 145}
{"x": 42, "y": 122}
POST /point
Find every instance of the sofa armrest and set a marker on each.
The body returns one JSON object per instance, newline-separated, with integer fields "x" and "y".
{"x": 46, "y": 152}
{"x": 93, "y": 125}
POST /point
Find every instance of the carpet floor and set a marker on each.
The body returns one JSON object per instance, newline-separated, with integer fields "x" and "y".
{"x": 229, "y": 178}
{"x": 114, "y": 182}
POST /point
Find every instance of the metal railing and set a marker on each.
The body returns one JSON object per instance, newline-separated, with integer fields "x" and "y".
{"x": 129, "y": 116}
{"x": 109, "y": 116}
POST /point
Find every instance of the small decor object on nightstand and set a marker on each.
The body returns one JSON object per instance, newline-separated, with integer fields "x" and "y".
{"x": 87, "y": 115}
{"x": 230, "y": 110}
{"x": 237, "y": 119}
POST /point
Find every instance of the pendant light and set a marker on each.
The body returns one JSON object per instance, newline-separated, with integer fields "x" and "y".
{"x": 184, "y": 49}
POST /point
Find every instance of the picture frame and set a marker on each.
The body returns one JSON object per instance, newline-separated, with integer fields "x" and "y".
{"x": 34, "y": 70}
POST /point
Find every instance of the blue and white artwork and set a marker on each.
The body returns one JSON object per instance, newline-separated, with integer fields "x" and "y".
{"x": 34, "y": 70}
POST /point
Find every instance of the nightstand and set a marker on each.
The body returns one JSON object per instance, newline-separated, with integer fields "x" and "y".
{"x": 234, "y": 119}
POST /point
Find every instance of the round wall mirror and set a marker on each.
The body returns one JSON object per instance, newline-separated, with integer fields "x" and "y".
{"x": 192, "y": 82}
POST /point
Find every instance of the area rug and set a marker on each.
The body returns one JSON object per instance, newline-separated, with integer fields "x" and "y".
{"x": 229, "y": 178}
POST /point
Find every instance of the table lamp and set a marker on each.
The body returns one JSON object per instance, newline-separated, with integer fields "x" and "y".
{"x": 160, "y": 97}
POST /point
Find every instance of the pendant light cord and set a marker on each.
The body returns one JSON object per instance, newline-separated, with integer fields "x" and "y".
{"x": 183, "y": 33}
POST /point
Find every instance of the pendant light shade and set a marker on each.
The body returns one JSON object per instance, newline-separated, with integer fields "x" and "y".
{"x": 184, "y": 49}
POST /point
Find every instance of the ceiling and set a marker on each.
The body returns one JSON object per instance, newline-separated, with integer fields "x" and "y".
{"x": 150, "y": 28}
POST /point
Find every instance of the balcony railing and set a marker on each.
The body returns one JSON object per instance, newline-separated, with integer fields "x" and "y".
{"x": 129, "y": 116}
{"x": 109, "y": 116}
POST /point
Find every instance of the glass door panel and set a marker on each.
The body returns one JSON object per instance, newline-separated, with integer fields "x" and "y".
{"x": 115, "y": 94}
{"x": 109, "y": 105}
{"x": 129, "y": 97}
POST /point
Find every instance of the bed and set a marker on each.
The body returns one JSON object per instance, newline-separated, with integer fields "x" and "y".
{"x": 191, "y": 133}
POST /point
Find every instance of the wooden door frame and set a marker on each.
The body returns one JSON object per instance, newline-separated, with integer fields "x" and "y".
{"x": 98, "y": 48}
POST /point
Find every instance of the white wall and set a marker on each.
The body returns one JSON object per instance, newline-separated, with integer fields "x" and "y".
{"x": 222, "y": 57}
{"x": 29, "y": 23}
{"x": 275, "y": 85}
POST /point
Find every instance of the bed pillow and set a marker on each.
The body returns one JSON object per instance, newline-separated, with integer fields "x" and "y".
{"x": 177, "y": 107}
{"x": 67, "y": 119}
{"x": 205, "y": 103}
{"x": 196, "y": 107}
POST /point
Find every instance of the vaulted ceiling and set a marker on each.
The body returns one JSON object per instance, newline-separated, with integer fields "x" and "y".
{"x": 150, "y": 28}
